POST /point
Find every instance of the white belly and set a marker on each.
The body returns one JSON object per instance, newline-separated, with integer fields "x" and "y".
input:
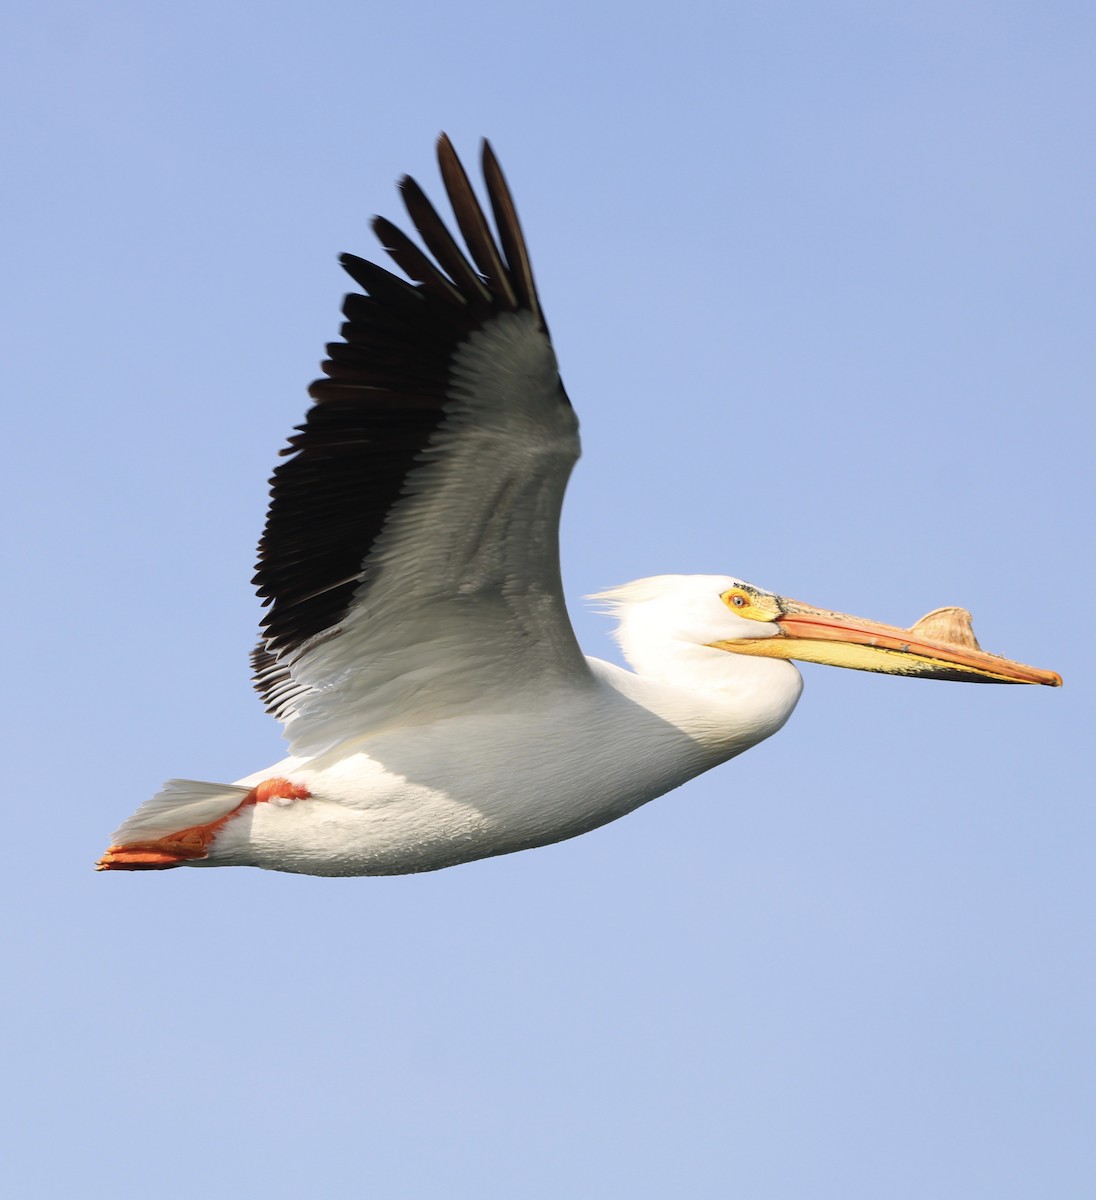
{"x": 431, "y": 796}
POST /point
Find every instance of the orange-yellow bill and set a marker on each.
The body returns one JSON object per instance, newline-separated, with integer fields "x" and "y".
{"x": 939, "y": 646}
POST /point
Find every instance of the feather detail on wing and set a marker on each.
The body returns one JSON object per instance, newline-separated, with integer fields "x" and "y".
{"x": 410, "y": 558}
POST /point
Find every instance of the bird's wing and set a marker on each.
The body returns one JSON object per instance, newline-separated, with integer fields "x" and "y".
{"x": 410, "y": 558}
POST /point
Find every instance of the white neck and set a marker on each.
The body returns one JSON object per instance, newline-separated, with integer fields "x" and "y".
{"x": 725, "y": 703}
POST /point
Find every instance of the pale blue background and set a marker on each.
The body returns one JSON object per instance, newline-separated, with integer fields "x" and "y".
{"x": 821, "y": 281}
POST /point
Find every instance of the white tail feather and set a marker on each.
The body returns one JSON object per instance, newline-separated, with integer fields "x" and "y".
{"x": 179, "y": 805}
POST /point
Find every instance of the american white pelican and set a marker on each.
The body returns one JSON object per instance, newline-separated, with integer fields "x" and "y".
{"x": 437, "y": 706}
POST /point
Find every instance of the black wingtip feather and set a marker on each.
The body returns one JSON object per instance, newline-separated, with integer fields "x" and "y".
{"x": 383, "y": 398}
{"x": 510, "y": 234}
{"x": 472, "y": 222}
{"x": 440, "y": 242}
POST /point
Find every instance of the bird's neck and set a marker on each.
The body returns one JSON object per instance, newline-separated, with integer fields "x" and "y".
{"x": 724, "y": 702}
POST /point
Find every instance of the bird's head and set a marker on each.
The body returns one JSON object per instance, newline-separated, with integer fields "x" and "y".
{"x": 672, "y": 615}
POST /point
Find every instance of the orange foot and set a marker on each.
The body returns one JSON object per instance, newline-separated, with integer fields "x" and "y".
{"x": 174, "y": 849}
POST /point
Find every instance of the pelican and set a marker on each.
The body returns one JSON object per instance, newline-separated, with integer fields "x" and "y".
{"x": 417, "y": 647}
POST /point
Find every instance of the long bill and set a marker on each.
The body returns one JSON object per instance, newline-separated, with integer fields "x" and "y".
{"x": 939, "y": 646}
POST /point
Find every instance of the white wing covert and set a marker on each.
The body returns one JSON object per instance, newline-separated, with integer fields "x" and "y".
{"x": 410, "y": 558}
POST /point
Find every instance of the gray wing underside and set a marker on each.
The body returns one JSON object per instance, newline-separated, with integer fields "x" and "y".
{"x": 411, "y": 555}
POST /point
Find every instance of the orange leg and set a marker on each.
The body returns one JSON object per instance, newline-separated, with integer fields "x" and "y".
{"x": 174, "y": 849}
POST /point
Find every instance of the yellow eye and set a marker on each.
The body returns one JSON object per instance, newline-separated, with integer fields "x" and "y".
{"x": 736, "y": 600}
{"x": 754, "y": 606}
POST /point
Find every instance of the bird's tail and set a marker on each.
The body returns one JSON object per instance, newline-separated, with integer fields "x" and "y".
{"x": 174, "y": 827}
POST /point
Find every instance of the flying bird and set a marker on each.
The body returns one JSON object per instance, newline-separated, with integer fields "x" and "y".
{"x": 417, "y": 646}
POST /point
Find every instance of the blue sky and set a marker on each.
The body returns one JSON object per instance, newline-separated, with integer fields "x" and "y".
{"x": 820, "y": 280}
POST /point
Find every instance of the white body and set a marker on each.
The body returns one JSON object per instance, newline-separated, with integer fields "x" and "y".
{"x": 493, "y": 782}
